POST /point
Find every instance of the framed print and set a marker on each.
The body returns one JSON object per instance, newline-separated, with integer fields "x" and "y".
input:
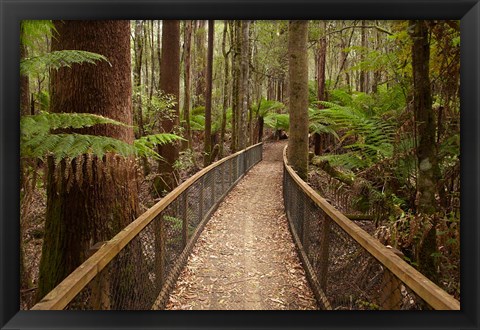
{"x": 156, "y": 174}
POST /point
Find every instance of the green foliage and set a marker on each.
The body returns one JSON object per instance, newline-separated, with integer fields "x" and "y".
{"x": 34, "y": 30}
{"x": 318, "y": 123}
{"x": 58, "y": 59}
{"x": 278, "y": 121}
{"x": 145, "y": 146}
{"x": 38, "y": 141}
{"x": 373, "y": 137}
{"x": 267, "y": 106}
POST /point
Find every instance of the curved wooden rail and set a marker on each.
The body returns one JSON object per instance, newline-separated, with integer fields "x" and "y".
{"x": 65, "y": 291}
{"x": 421, "y": 285}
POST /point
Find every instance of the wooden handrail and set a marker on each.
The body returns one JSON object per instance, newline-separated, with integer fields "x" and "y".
{"x": 421, "y": 285}
{"x": 66, "y": 290}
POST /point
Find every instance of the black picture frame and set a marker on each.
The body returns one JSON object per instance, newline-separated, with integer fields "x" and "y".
{"x": 13, "y": 11}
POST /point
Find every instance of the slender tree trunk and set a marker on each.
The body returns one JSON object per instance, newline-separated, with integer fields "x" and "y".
{"x": 298, "y": 75}
{"x": 243, "y": 86}
{"x": 103, "y": 197}
{"x": 152, "y": 59}
{"x": 321, "y": 55}
{"x": 225, "y": 88}
{"x": 363, "y": 74}
{"x": 24, "y": 87}
{"x": 426, "y": 153}
{"x": 187, "y": 83}
{"x": 200, "y": 64}
{"x": 208, "y": 95}
{"x": 377, "y": 72}
{"x": 235, "y": 28}
{"x": 137, "y": 76}
{"x": 169, "y": 84}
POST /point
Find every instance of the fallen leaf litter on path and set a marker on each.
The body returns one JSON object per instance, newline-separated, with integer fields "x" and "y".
{"x": 245, "y": 258}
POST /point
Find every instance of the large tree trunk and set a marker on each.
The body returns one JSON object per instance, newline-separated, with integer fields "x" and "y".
{"x": 234, "y": 31}
{"x": 187, "y": 83}
{"x": 91, "y": 199}
{"x": 426, "y": 153}
{"x": 208, "y": 96}
{"x": 169, "y": 84}
{"x": 243, "y": 86}
{"x": 298, "y": 75}
{"x": 225, "y": 88}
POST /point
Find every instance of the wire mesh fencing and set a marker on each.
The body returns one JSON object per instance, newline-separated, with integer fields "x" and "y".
{"x": 137, "y": 269}
{"x": 347, "y": 268}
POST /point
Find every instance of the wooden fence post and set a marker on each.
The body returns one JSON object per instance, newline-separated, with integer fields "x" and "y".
{"x": 391, "y": 295}
{"x": 223, "y": 177}
{"x": 202, "y": 186}
{"x": 214, "y": 179}
{"x": 100, "y": 286}
{"x": 305, "y": 229}
{"x": 184, "y": 212}
{"x": 324, "y": 252}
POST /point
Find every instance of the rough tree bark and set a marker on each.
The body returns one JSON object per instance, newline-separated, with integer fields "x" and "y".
{"x": 187, "y": 83}
{"x": 234, "y": 36}
{"x": 243, "y": 86}
{"x": 298, "y": 75}
{"x": 208, "y": 96}
{"x": 426, "y": 152}
{"x": 102, "y": 198}
{"x": 225, "y": 87}
{"x": 169, "y": 84}
{"x": 199, "y": 69}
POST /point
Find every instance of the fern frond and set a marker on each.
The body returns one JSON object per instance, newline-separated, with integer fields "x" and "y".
{"x": 145, "y": 146}
{"x": 63, "y": 146}
{"x": 58, "y": 59}
{"x": 45, "y": 122}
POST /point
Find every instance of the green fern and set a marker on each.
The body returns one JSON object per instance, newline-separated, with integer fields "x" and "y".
{"x": 267, "y": 106}
{"x": 374, "y": 137}
{"x": 37, "y": 140}
{"x": 277, "y": 121}
{"x": 145, "y": 146}
{"x": 58, "y": 59}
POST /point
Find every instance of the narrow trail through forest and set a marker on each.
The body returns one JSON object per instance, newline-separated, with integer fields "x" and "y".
{"x": 245, "y": 259}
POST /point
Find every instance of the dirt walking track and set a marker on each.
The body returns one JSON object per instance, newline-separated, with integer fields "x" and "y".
{"x": 245, "y": 258}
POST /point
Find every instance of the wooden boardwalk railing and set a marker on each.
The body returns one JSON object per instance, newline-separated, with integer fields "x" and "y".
{"x": 347, "y": 268}
{"x": 137, "y": 268}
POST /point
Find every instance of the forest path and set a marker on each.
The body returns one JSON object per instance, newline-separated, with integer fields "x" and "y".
{"x": 245, "y": 258}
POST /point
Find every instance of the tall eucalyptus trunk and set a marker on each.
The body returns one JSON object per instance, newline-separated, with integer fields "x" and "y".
{"x": 89, "y": 200}
{"x": 169, "y": 84}
{"x": 187, "y": 80}
{"x": 226, "y": 84}
{"x": 298, "y": 74}
{"x": 426, "y": 152}
{"x": 208, "y": 96}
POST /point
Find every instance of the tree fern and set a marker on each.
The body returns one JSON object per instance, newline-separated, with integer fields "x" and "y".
{"x": 57, "y": 60}
{"x": 374, "y": 137}
{"x": 38, "y": 141}
{"x": 145, "y": 145}
{"x": 266, "y": 106}
{"x": 277, "y": 121}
